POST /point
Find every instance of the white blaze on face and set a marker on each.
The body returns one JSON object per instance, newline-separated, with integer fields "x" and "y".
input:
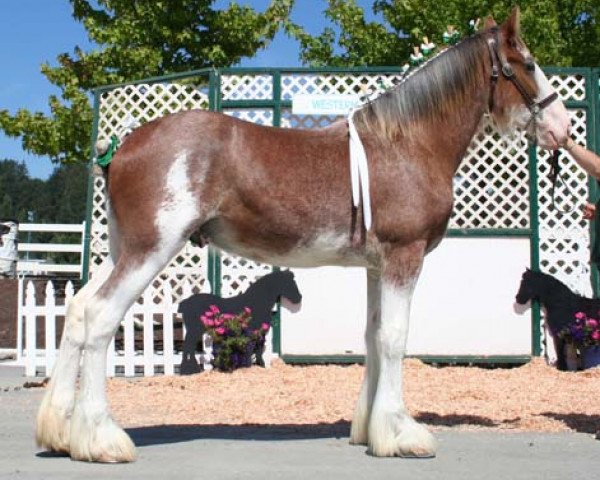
{"x": 554, "y": 122}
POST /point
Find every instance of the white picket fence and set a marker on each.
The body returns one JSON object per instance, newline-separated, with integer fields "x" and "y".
{"x": 126, "y": 360}
{"x": 35, "y": 266}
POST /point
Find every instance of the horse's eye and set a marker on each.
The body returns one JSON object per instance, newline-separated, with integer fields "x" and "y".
{"x": 530, "y": 66}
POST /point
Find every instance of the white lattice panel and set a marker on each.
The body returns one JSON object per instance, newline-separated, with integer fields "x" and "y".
{"x": 564, "y": 234}
{"x": 491, "y": 185}
{"x": 145, "y": 102}
{"x": 338, "y": 83}
{"x": 569, "y": 87}
{"x": 247, "y": 87}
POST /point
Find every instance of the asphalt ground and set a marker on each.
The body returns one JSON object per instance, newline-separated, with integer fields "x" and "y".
{"x": 217, "y": 452}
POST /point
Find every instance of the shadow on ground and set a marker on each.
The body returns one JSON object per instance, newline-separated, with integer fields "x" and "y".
{"x": 435, "y": 420}
{"x": 163, "y": 434}
{"x": 578, "y": 422}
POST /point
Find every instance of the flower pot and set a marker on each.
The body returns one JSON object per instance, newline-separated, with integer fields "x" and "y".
{"x": 571, "y": 358}
{"x": 591, "y": 357}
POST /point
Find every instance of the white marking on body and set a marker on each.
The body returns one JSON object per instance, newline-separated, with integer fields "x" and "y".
{"x": 326, "y": 248}
{"x": 179, "y": 207}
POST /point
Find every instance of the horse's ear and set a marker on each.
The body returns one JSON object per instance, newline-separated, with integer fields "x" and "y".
{"x": 512, "y": 26}
{"x": 489, "y": 23}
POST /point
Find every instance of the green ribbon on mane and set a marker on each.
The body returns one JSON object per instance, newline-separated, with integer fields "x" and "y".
{"x": 105, "y": 159}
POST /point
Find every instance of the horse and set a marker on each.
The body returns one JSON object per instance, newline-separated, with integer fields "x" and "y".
{"x": 284, "y": 197}
{"x": 561, "y": 305}
{"x": 259, "y": 298}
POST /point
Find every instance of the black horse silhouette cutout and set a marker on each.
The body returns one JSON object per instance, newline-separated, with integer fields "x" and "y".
{"x": 560, "y": 303}
{"x": 260, "y": 298}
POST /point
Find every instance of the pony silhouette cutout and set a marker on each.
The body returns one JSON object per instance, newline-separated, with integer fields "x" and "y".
{"x": 260, "y": 297}
{"x": 560, "y": 304}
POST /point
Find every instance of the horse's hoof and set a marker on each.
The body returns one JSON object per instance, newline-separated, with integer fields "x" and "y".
{"x": 359, "y": 431}
{"x": 99, "y": 440}
{"x": 413, "y": 441}
{"x": 52, "y": 428}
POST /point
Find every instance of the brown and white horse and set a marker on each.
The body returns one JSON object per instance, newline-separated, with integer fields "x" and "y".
{"x": 284, "y": 197}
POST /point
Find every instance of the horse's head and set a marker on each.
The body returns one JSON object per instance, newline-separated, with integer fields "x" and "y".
{"x": 528, "y": 288}
{"x": 289, "y": 288}
{"x": 521, "y": 96}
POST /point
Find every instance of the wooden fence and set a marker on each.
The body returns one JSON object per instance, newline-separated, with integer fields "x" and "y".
{"x": 147, "y": 343}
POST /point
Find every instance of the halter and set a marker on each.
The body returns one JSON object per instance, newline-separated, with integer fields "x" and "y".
{"x": 535, "y": 108}
{"x": 501, "y": 65}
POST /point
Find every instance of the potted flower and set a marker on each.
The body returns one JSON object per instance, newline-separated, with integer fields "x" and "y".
{"x": 584, "y": 334}
{"x": 235, "y": 343}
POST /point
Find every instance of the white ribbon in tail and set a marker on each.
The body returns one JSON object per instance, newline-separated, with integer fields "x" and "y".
{"x": 359, "y": 172}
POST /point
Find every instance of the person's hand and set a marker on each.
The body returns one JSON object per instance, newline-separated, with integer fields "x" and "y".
{"x": 589, "y": 211}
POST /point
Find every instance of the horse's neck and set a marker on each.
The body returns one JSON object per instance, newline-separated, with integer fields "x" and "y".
{"x": 454, "y": 133}
{"x": 263, "y": 291}
{"x": 553, "y": 292}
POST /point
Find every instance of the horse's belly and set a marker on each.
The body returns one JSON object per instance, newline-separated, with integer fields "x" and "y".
{"x": 326, "y": 248}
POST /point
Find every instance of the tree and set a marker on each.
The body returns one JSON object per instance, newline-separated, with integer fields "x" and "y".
{"x": 18, "y": 192}
{"x": 136, "y": 39}
{"x": 565, "y": 33}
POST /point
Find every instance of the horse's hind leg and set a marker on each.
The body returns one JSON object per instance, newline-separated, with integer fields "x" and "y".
{"x": 392, "y": 431}
{"x": 360, "y": 421}
{"x": 94, "y": 434}
{"x": 53, "y": 420}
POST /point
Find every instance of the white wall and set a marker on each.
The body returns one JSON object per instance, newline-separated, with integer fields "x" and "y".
{"x": 463, "y": 304}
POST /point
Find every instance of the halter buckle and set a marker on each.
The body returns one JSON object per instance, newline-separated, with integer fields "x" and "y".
{"x": 507, "y": 70}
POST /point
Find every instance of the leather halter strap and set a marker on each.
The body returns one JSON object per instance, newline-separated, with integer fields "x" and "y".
{"x": 501, "y": 65}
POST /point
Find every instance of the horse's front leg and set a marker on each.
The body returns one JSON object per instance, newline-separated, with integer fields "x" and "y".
{"x": 392, "y": 431}
{"x": 359, "y": 433}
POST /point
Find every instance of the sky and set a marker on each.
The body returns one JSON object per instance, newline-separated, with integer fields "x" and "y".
{"x": 33, "y": 32}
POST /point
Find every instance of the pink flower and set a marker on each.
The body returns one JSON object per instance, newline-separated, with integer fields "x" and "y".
{"x": 248, "y": 310}
{"x": 580, "y": 315}
{"x": 203, "y": 319}
{"x": 219, "y": 330}
{"x": 592, "y": 323}
{"x": 209, "y": 323}
{"x": 227, "y": 316}
{"x": 208, "y": 313}
{"x": 596, "y": 335}
{"x": 265, "y": 326}
{"x": 215, "y": 309}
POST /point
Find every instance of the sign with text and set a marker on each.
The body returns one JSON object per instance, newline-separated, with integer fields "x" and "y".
{"x": 324, "y": 104}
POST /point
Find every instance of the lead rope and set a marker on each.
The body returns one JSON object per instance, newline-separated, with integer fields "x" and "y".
{"x": 555, "y": 176}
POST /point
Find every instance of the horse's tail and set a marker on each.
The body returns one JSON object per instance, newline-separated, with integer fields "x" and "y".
{"x": 103, "y": 150}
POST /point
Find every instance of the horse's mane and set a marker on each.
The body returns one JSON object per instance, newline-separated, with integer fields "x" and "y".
{"x": 434, "y": 90}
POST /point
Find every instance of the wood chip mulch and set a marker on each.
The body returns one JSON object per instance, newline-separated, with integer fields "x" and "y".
{"x": 534, "y": 397}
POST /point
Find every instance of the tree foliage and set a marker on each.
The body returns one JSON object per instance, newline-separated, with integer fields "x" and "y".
{"x": 565, "y": 33}
{"x": 136, "y": 39}
{"x": 60, "y": 199}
